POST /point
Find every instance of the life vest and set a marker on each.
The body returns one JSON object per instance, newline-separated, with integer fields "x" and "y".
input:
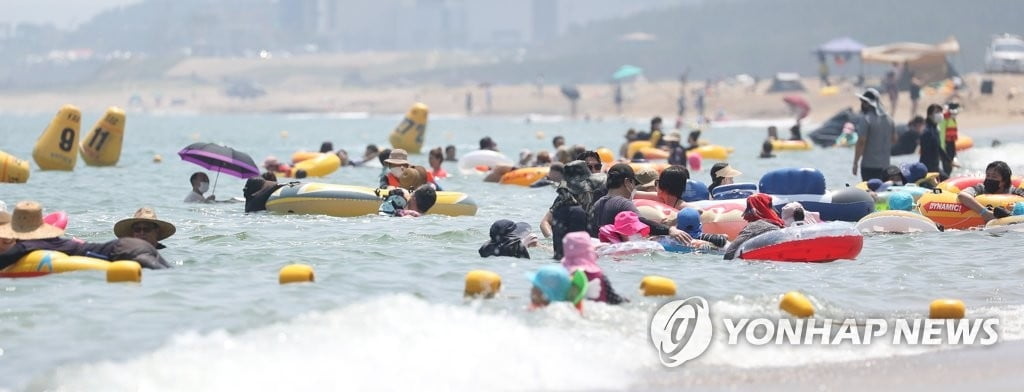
{"x": 392, "y": 180}
{"x": 950, "y": 128}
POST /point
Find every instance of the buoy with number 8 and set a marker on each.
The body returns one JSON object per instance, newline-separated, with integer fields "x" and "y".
{"x": 55, "y": 149}
{"x": 102, "y": 146}
{"x": 408, "y": 135}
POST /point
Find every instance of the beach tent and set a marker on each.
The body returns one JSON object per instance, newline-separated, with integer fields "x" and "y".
{"x": 842, "y": 49}
{"x": 784, "y": 81}
{"x": 928, "y": 62}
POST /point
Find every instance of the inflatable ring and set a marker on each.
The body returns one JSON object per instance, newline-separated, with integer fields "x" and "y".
{"x": 713, "y": 151}
{"x": 651, "y": 153}
{"x": 45, "y": 262}
{"x": 964, "y": 142}
{"x": 629, "y": 248}
{"x": 945, "y": 209}
{"x": 902, "y": 222}
{"x": 300, "y": 156}
{"x": 525, "y": 176}
{"x": 491, "y": 159}
{"x": 634, "y": 147}
{"x": 320, "y": 165}
{"x": 722, "y": 216}
{"x": 955, "y": 185}
{"x": 817, "y": 243}
{"x": 348, "y": 200}
{"x": 638, "y": 166}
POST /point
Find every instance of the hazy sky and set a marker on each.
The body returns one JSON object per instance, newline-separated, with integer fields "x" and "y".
{"x": 63, "y": 13}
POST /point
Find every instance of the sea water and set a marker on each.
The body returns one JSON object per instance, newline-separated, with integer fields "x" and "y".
{"x": 387, "y": 311}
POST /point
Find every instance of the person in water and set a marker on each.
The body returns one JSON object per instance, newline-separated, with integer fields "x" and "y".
{"x": 932, "y": 152}
{"x": 676, "y": 152}
{"x": 553, "y": 178}
{"x": 876, "y": 135}
{"x": 402, "y": 203}
{"x": 486, "y": 143}
{"x": 762, "y": 219}
{"x": 200, "y": 185}
{"x": 557, "y": 141}
{"x": 794, "y": 214}
{"x": 630, "y": 137}
{"x": 369, "y": 155}
{"x": 449, "y": 154}
{"x": 766, "y": 149}
{"x": 435, "y": 159}
{"x": 622, "y": 184}
{"x": 326, "y": 147}
{"x": 627, "y": 227}
{"x": 568, "y": 212}
{"x": 144, "y": 225}
{"x": 668, "y": 188}
{"x": 29, "y": 233}
{"x": 592, "y": 159}
{"x": 998, "y": 180}
{"x": 688, "y": 220}
{"x": 271, "y": 165}
{"x": 794, "y": 133}
{"x": 580, "y": 255}
{"x": 908, "y": 141}
{"x": 722, "y": 174}
{"x": 543, "y": 159}
{"x": 773, "y": 133}
{"x": 648, "y": 179}
{"x": 395, "y": 163}
{"x": 508, "y": 238}
{"x": 257, "y": 191}
{"x": 550, "y": 283}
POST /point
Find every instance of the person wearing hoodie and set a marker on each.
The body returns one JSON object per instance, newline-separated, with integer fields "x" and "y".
{"x": 580, "y": 255}
{"x": 508, "y": 239}
{"x": 762, "y": 219}
{"x": 256, "y": 192}
{"x": 576, "y": 191}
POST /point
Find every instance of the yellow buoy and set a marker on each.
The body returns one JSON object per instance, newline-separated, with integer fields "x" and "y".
{"x": 408, "y": 135}
{"x": 296, "y": 273}
{"x": 482, "y": 283}
{"x": 656, "y": 286}
{"x": 946, "y": 309}
{"x": 13, "y": 170}
{"x": 796, "y": 304}
{"x": 55, "y": 149}
{"x": 102, "y": 146}
{"x": 539, "y": 135}
{"x": 158, "y": 158}
{"x": 124, "y": 271}
{"x": 607, "y": 156}
{"x": 284, "y": 134}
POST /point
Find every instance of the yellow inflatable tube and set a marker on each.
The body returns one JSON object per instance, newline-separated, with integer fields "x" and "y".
{"x": 714, "y": 151}
{"x": 350, "y": 200}
{"x": 525, "y": 176}
{"x": 300, "y": 156}
{"x": 13, "y": 170}
{"x": 964, "y": 142}
{"x": 945, "y": 209}
{"x": 636, "y": 146}
{"x": 45, "y": 262}
{"x": 790, "y": 145}
{"x": 408, "y": 135}
{"x": 56, "y": 148}
{"x": 320, "y": 166}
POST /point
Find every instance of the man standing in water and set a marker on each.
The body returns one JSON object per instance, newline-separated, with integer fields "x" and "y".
{"x": 876, "y": 135}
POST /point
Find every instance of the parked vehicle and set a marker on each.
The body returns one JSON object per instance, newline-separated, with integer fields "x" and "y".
{"x": 1005, "y": 54}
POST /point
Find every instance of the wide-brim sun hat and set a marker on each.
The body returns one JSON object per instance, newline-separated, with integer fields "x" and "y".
{"x": 26, "y": 223}
{"x": 123, "y": 228}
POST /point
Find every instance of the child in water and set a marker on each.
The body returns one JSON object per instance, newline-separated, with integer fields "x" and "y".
{"x": 580, "y": 256}
{"x": 766, "y": 150}
{"x": 552, "y": 283}
{"x": 627, "y": 227}
{"x": 688, "y": 220}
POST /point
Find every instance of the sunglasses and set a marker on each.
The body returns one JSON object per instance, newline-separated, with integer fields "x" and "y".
{"x": 143, "y": 229}
{"x": 596, "y": 166}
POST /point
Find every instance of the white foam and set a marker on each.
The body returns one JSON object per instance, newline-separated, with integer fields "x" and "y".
{"x": 391, "y": 343}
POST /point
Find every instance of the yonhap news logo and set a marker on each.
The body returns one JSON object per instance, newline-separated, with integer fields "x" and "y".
{"x": 682, "y": 330}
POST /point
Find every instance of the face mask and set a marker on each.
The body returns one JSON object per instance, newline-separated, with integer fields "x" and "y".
{"x": 937, "y": 118}
{"x": 396, "y": 171}
{"x": 991, "y": 186}
{"x": 203, "y": 187}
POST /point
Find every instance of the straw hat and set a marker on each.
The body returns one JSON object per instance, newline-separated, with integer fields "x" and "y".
{"x": 123, "y": 228}
{"x": 398, "y": 157}
{"x": 27, "y": 224}
{"x": 412, "y": 178}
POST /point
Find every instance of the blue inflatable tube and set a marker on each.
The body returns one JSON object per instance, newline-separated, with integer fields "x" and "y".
{"x": 807, "y": 186}
{"x": 695, "y": 191}
{"x": 734, "y": 191}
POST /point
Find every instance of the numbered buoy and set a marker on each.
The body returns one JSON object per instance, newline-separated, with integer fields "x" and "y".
{"x": 12, "y": 169}
{"x": 482, "y": 283}
{"x": 102, "y": 146}
{"x": 55, "y": 149}
{"x": 408, "y": 135}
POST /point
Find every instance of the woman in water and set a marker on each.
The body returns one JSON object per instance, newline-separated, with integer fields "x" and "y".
{"x": 762, "y": 219}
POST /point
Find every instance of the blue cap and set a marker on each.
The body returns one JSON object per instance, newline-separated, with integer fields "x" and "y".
{"x": 688, "y": 220}
{"x": 877, "y": 185}
{"x": 901, "y": 201}
{"x": 1018, "y": 208}
{"x": 913, "y": 172}
{"x": 552, "y": 280}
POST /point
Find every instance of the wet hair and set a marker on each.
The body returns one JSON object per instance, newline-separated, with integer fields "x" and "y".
{"x": 425, "y": 197}
{"x": 554, "y": 140}
{"x": 766, "y": 148}
{"x": 579, "y": 149}
{"x": 449, "y": 147}
{"x": 300, "y": 174}
{"x": 384, "y": 155}
{"x": 673, "y": 180}
{"x": 631, "y": 134}
{"x": 372, "y": 148}
{"x": 326, "y": 147}
{"x": 269, "y": 176}
{"x": 1002, "y": 169}
{"x": 543, "y": 157}
{"x": 655, "y": 120}
{"x": 436, "y": 153}
{"x": 196, "y": 175}
{"x": 587, "y": 154}
{"x": 486, "y": 142}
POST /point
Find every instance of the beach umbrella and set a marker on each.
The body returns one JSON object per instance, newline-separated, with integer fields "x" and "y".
{"x": 220, "y": 159}
{"x": 627, "y": 71}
